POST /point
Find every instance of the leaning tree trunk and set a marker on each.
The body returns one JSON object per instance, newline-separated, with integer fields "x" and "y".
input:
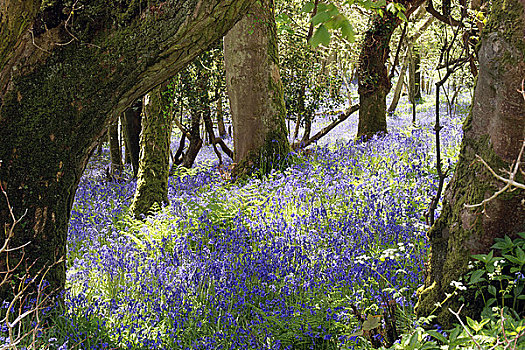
{"x": 494, "y": 130}
{"x": 255, "y": 90}
{"x": 154, "y": 164}
{"x": 373, "y": 81}
{"x": 58, "y": 92}
{"x": 416, "y": 60}
{"x": 399, "y": 85}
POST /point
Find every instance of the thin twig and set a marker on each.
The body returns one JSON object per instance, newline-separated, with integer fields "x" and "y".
{"x": 509, "y": 183}
{"x": 465, "y": 327}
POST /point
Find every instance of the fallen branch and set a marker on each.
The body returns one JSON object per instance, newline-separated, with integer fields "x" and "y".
{"x": 341, "y": 118}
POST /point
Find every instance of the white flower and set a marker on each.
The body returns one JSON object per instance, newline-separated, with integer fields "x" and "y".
{"x": 458, "y": 285}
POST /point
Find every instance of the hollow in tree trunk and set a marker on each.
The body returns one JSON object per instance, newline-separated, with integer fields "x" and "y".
{"x": 255, "y": 90}
{"x": 494, "y": 130}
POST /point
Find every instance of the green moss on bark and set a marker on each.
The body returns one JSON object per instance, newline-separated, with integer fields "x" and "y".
{"x": 152, "y": 183}
{"x": 373, "y": 80}
{"x": 494, "y": 130}
{"x": 60, "y": 102}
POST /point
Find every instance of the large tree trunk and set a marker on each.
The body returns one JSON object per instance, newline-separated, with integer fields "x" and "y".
{"x": 373, "y": 81}
{"x": 372, "y": 74}
{"x": 255, "y": 90}
{"x": 495, "y": 131}
{"x": 61, "y": 87}
{"x": 154, "y": 165}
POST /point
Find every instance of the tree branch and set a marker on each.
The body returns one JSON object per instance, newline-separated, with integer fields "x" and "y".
{"x": 447, "y": 20}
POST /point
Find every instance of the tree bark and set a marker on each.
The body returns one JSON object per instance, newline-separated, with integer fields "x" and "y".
{"x": 61, "y": 87}
{"x": 372, "y": 74}
{"x": 154, "y": 165}
{"x": 494, "y": 130}
{"x": 373, "y": 81}
{"x": 114, "y": 149}
{"x": 195, "y": 140}
{"x": 131, "y": 125}
{"x": 255, "y": 90}
{"x": 220, "y": 117}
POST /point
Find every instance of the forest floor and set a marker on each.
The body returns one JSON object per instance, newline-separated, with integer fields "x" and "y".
{"x": 295, "y": 259}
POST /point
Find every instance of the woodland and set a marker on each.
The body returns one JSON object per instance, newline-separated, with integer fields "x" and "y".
{"x": 262, "y": 174}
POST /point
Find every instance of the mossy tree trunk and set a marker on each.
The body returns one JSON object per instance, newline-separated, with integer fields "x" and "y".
{"x": 494, "y": 130}
{"x": 255, "y": 90}
{"x": 414, "y": 77}
{"x": 154, "y": 164}
{"x": 373, "y": 81}
{"x": 372, "y": 74}
{"x": 58, "y": 93}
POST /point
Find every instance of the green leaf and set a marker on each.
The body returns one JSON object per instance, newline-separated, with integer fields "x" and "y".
{"x": 372, "y": 322}
{"x": 321, "y": 36}
{"x": 480, "y": 257}
{"x": 476, "y": 276}
{"x": 402, "y": 16}
{"x": 492, "y": 290}
{"x": 521, "y": 255}
{"x": 513, "y": 259}
{"x": 321, "y": 17}
{"x": 322, "y": 7}
{"x": 348, "y": 31}
{"x": 308, "y": 7}
{"x": 414, "y": 341}
{"x": 437, "y": 335}
{"x": 335, "y": 22}
{"x": 474, "y": 325}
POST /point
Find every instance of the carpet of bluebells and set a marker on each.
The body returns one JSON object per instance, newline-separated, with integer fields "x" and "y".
{"x": 282, "y": 261}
